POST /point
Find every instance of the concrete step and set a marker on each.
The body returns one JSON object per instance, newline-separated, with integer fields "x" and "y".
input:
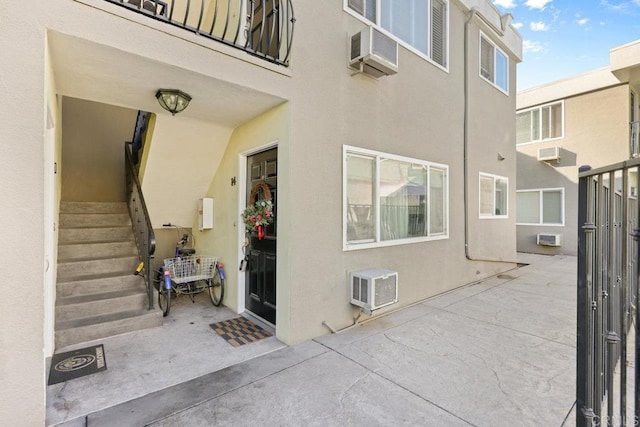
{"x": 83, "y": 251}
{"x": 78, "y": 307}
{"x": 95, "y": 234}
{"x": 80, "y": 220}
{"x": 106, "y": 325}
{"x": 98, "y": 284}
{"x": 86, "y": 269}
{"x": 93, "y": 207}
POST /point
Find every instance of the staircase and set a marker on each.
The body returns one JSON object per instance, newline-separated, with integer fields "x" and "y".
{"x": 97, "y": 294}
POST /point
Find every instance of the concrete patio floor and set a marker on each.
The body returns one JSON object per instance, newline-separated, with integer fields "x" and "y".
{"x": 500, "y": 352}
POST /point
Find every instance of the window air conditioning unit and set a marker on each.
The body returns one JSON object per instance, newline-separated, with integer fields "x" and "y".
{"x": 373, "y": 53}
{"x": 548, "y": 239}
{"x": 550, "y": 153}
{"x": 373, "y": 289}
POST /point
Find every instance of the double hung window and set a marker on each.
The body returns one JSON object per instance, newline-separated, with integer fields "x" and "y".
{"x": 540, "y": 207}
{"x": 419, "y": 24}
{"x": 391, "y": 199}
{"x": 494, "y": 196}
{"x": 494, "y": 64}
{"x": 540, "y": 123}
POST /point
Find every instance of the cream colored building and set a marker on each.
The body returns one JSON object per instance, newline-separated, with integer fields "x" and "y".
{"x": 412, "y": 172}
{"x": 590, "y": 119}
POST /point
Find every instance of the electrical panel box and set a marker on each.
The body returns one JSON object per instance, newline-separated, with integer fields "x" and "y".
{"x": 205, "y": 214}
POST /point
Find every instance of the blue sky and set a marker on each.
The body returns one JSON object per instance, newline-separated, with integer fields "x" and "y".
{"x": 562, "y": 38}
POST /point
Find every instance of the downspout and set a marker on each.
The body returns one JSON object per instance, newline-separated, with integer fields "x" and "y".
{"x": 467, "y": 251}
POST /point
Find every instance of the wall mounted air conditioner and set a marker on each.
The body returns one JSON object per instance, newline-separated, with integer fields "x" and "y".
{"x": 548, "y": 239}
{"x": 549, "y": 153}
{"x": 373, "y": 289}
{"x": 373, "y": 53}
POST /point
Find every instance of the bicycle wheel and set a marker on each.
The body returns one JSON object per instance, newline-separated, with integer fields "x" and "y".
{"x": 164, "y": 295}
{"x": 216, "y": 288}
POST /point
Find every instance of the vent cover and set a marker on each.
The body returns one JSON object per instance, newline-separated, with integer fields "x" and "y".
{"x": 373, "y": 289}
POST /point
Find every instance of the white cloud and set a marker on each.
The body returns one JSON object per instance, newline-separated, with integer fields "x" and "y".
{"x": 517, "y": 25}
{"x": 531, "y": 46}
{"x": 507, "y": 4}
{"x": 582, "y": 21}
{"x": 537, "y": 4}
{"x": 538, "y": 26}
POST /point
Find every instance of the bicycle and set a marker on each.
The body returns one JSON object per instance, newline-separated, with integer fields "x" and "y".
{"x": 188, "y": 274}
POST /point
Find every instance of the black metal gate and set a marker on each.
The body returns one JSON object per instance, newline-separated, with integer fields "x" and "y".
{"x": 608, "y": 349}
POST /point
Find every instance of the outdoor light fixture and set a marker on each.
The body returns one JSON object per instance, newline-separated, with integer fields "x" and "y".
{"x": 173, "y": 100}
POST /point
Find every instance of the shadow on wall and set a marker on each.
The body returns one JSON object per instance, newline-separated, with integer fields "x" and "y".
{"x": 535, "y": 174}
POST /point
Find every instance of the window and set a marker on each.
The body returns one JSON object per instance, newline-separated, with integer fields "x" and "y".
{"x": 391, "y": 200}
{"x": 494, "y": 64}
{"x": 540, "y": 207}
{"x": 494, "y": 196}
{"x": 420, "y": 25}
{"x": 540, "y": 123}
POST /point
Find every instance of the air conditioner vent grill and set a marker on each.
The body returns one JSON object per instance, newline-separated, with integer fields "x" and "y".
{"x": 548, "y": 239}
{"x": 373, "y": 289}
{"x": 549, "y": 153}
{"x": 373, "y": 53}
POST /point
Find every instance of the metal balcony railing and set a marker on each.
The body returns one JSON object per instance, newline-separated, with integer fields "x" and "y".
{"x": 263, "y": 28}
{"x": 634, "y": 143}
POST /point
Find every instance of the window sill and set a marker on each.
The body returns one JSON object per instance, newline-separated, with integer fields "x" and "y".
{"x": 539, "y": 225}
{"x": 387, "y": 243}
{"x": 538, "y": 141}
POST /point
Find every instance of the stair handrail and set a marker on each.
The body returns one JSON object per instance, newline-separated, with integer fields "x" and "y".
{"x": 140, "y": 220}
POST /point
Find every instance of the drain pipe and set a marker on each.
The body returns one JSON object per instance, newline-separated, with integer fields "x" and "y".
{"x": 467, "y": 251}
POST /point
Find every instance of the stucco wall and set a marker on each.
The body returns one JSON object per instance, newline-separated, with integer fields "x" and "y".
{"x": 93, "y": 150}
{"x": 596, "y": 134}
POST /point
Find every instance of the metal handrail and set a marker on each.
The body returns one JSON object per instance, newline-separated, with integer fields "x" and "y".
{"x": 275, "y": 19}
{"x": 141, "y": 222}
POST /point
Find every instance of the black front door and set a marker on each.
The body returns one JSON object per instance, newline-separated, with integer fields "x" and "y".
{"x": 260, "y": 278}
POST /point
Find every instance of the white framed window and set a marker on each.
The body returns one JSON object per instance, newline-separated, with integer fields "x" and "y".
{"x": 541, "y": 123}
{"x": 494, "y": 196}
{"x": 494, "y": 64}
{"x": 421, "y": 26}
{"x": 392, "y": 200}
{"x": 540, "y": 207}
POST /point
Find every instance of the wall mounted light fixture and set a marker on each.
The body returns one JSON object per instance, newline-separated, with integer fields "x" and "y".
{"x": 173, "y": 100}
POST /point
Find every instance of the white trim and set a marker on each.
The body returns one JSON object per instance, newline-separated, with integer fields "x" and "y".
{"x": 377, "y": 242}
{"x": 541, "y": 207}
{"x": 49, "y": 236}
{"x": 494, "y": 178}
{"x": 403, "y": 43}
{"x": 242, "y": 197}
{"x": 540, "y": 107}
{"x": 495, "y": 60}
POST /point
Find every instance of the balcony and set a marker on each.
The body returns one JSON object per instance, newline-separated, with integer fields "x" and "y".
{"x": 634, "y": 143}
{"x": 263, "y": 28}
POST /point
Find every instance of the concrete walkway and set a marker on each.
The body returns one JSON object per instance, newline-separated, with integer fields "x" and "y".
{"x": 497, "y": 353}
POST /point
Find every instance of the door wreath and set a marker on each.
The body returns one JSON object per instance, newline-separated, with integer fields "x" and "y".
{"x": 259, "y": 211}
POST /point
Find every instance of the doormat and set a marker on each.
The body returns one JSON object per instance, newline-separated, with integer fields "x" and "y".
{"x": 239, "y": 331}
{"x": 75, "y": 364}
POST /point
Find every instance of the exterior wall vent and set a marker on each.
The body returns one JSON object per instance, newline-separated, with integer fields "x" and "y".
{"x": 373, "y": 53}
{"x": 373, "y": 289}
{"x": 549, "y": 153}
{"x": 549, "y": 239}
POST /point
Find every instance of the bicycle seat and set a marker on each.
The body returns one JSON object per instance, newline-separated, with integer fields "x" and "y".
{"x": 186, "y": 252}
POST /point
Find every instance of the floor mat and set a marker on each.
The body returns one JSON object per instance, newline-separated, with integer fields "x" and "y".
{"x": 239, "y": 331}
{"x": 78, "y": 363}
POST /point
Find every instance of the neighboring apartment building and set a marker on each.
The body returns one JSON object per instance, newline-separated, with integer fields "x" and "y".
{"x": 590, "y": 119}
{"x": 413, "y": 172}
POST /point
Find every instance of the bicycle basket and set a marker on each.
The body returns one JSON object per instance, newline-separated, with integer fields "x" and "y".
{"x": 190, "y": 268}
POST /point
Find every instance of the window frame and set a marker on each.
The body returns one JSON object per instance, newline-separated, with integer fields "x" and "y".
{"x": 377, "y": 241}
{"x": 403, "y": 43}
{"x": 541, "y": 191}
{"x": 495, "y": 63}
{"x": 539, "y": 108}
{"x": 495, "y": 178}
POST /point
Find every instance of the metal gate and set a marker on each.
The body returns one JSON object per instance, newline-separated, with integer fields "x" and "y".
{"x": 608, "y": 349}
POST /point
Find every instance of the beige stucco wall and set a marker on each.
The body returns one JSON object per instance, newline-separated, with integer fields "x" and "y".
{"x": 596, "y": 134}
{"x": 23, "y": 121}
{"x": 93, "y": 141}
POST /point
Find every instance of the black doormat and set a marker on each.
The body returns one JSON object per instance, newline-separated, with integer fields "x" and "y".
{"x": 78, "y": 363}
{"x": 239, "y": 331}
